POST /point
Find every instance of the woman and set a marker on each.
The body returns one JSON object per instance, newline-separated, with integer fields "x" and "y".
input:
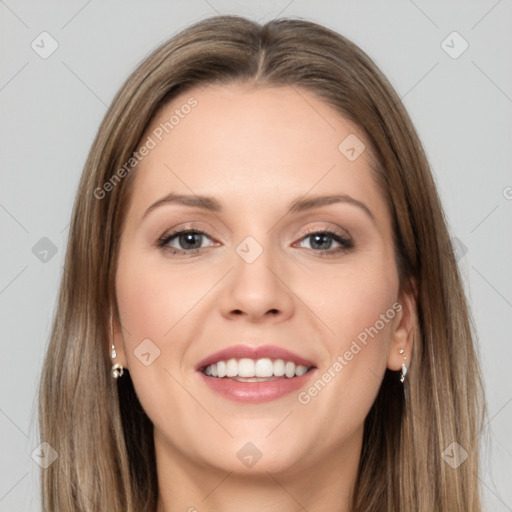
{"x": 311, "y": 348}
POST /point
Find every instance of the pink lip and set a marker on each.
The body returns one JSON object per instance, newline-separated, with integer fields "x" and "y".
{"x": 256, "y": 392}
{"x": 253, "y": 352}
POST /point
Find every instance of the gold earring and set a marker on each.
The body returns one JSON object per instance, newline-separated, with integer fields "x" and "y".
{"x": 403, "y": 373}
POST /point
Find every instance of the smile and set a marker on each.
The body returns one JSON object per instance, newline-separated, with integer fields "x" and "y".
{"x": 250, "y": 374}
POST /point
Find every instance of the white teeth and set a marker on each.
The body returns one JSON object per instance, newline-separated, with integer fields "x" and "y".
{"x": 221, "y": 369}
{"x": 246, "y": 368}
{"x": 264, "y": 368}
{"x": 299, "y": 370}
{"x": 289, "y": 369}
{"x": 232, "y": 368}
{"x": 254, "y": 370}
{"x": 278, "y": 367}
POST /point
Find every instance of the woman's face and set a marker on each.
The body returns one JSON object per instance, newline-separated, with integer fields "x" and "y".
{"x": 270, "y": 275}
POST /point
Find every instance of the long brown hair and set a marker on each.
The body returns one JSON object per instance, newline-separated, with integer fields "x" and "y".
{"x": 96, "y": 424}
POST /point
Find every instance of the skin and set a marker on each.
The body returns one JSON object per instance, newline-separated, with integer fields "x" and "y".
{"x": 256, "y": 150}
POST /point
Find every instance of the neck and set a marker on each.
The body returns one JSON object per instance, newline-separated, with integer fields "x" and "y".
{"x": 324, "y": 486}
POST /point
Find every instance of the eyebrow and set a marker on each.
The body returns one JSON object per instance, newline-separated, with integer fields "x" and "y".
{"x": 298, "y": 205}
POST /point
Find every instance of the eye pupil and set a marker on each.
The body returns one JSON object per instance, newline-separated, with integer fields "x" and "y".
{"x": 189, "y": 238}
{"x": 316, "y": 237}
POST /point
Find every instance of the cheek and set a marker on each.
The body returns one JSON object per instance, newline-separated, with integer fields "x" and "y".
{"x": 152, "y": 306}
{"x": 360, "y": 322}
{"x": 154, "y": 297}
{"x": 355, "y": 305}
{"x": 350, "y": 301}
{"x": 141, "y": 306}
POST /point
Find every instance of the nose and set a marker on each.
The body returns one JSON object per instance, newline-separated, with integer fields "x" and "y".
{"x": 258, "y": 291}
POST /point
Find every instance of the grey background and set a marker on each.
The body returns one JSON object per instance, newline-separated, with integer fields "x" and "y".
{"x": 51, "y": 109}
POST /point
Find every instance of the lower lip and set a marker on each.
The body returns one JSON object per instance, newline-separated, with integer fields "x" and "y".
{"x": 255, "y": 392}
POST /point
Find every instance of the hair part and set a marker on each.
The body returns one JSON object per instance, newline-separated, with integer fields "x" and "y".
{"x": 97, "y": 425}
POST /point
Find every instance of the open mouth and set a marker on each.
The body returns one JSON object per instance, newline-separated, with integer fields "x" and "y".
{"x": 255, "y": 370}
{"x": 255, "y": 373}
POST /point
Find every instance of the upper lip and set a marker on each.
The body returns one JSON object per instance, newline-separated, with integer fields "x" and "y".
{"x": 253, "y": 352}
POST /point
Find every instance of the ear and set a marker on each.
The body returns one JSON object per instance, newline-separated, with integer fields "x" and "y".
{"x": 404, "y": 325}
{"x": 116, "y": 338}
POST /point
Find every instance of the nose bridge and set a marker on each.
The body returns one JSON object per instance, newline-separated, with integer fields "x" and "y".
{"x": 257, "y": 286}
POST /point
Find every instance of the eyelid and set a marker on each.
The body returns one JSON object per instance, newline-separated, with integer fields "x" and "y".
{"x": 335, "y": 230}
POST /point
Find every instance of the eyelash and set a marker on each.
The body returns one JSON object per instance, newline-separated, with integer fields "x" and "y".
{"x": 345, "y": 242}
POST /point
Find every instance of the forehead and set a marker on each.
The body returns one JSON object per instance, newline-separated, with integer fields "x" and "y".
{"x": 245, "y": 115}
{"x": 246, "y": 144}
